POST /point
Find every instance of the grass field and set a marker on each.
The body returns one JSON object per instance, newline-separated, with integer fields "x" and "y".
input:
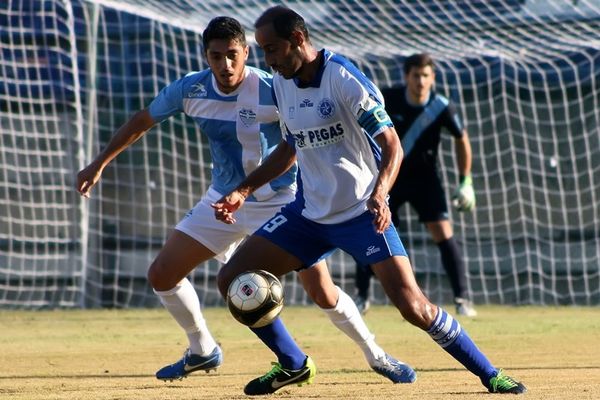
{"x": 113, "y": 354}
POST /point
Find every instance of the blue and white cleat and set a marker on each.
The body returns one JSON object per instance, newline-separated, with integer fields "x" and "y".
{"x": 190, "y": 363}
{"x": 394, "y": 370}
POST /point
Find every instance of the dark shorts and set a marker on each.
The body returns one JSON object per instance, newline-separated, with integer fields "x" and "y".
{"x": 311, "y": 242}
{"x": 424, "y": 193}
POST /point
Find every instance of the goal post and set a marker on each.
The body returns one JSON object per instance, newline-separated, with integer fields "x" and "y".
{"x": 524, "y": 75}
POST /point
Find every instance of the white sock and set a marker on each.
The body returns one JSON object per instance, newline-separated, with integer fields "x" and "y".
{"x": 347, "y": 318}
{"x": 183, "y": 304}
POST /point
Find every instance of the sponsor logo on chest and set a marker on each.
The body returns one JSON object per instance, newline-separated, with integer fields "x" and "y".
{"x": 318, "y": 137}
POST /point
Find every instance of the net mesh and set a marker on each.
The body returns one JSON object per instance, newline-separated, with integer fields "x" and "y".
{"x": 524, "y": 75}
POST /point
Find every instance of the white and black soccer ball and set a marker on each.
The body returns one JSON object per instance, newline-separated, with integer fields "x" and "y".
{"x": 255, "y": 298}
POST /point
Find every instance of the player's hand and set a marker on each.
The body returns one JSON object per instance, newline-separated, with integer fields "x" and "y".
{"x": 382, "y": 215}
{"x": 227, "y": 205}
{"x": 464, "y": 195}
{"x": 87, "y": 179}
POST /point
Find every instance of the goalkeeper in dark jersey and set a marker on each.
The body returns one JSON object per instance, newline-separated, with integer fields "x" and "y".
{"x": 419, "y": 115}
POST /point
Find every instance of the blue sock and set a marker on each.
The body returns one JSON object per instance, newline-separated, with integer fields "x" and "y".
{"x": 447, "y": 332}
{"x": 278, "y": 339}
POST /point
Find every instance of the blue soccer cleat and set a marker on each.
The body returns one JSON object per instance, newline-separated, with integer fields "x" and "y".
{"x": 190, "y": 363}
{"x": 394, "y": 370}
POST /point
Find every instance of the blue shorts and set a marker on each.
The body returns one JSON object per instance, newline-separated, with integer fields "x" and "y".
{"x": 311, "y": 242}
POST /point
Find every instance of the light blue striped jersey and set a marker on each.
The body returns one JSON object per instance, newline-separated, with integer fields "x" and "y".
{"x": 242, "y": 127}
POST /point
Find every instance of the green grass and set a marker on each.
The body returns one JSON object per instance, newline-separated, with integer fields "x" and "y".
{"x": 113, "y": 354}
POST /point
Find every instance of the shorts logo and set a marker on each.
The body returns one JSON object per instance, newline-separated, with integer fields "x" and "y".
{"x": 372, "y": 250}
{"x": 247, "y": 116}
{"x": 189, "y": 213}
{"x": 326, "y": 108}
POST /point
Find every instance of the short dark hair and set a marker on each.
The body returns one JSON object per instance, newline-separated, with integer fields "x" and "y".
{"x": 223, "y": 28}
{"x": 284, "y": 20}
{"x": 419, "y": 60}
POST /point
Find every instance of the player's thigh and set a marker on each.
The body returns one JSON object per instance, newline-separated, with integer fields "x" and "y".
{"x": 200, "y": 224}
{"x": 257, "y": 252}
{"x": 399, "y": 283}
{"x": 177, "y": 258}
{"x": 358, "y": 238}
{"x": 317, "y": 282}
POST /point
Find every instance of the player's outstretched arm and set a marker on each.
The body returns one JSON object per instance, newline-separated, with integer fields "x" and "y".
{"x": 126, "y": 135}
{"x": 391, "y": 158}
{"x": 275, "y": 165}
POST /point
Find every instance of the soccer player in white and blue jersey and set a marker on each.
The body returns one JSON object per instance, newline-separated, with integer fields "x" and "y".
{"x": 233, "y": 107}
{"x": 348, "y": 156}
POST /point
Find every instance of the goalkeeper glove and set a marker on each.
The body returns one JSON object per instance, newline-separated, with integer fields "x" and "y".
{"x": 464, "y": 195}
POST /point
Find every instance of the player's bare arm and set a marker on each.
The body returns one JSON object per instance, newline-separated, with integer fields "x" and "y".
{"x": 126, "y": 135}
{"x": 464, "y": 195}
{"x": 391, "y": 158}
{"x": 278, "y": 162}
{"x": 462, "y": 146}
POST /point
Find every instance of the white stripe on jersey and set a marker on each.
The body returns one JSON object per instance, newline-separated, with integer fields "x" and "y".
{"x": 247, "y": 101}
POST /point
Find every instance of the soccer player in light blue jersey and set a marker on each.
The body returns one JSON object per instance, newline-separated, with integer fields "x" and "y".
{"x": 233, "y": 106}
{"x": 348, "y": 155}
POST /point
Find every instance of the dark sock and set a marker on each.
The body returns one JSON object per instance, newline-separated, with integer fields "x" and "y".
{"x": 455, "y": 267}
{"x": 279, "y": 340}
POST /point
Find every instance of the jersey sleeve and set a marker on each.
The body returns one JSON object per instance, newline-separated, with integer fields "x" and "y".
{"x": 168, "y": 102}
{"x": 451, "y": 120}
{"x": 365, "y": 101}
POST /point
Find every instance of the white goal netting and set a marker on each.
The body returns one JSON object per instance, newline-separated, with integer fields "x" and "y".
{"x": 525, "y": 75}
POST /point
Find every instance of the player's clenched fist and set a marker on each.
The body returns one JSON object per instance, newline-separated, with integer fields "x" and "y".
{"x": 87, "y": 179}
{"x": 382, "y": 215}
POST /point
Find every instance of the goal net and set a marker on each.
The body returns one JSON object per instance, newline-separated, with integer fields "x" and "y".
{"x": 525, "y": 75}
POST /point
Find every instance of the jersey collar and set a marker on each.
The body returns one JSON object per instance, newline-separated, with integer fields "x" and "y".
{"x": 236, "y": 91}
{"x": 316, "y": 82}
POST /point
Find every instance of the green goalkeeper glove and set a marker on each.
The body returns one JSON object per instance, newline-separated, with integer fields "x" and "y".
{"x": 464, "y": 195}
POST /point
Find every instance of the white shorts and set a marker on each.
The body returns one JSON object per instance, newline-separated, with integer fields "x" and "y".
{"x": 222, "y": 239}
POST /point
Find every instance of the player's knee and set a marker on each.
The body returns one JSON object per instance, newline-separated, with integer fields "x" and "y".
{"x": 419, "y": 312}
{"x": 158, "y": 279}
{"x": 323, "y": 298}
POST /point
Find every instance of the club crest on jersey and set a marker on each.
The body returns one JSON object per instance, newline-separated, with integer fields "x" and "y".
{"x": 247, "y": 116}
{"x": 326, "y": 108}
{"x": 198, "y": 90}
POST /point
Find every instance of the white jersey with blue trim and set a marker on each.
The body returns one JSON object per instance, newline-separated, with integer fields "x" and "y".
{"x": 338, "y": 159}
{"x": 242, "y": 127}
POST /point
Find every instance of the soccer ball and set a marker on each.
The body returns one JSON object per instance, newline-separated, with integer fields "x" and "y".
{"x": 255, "y": 298}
